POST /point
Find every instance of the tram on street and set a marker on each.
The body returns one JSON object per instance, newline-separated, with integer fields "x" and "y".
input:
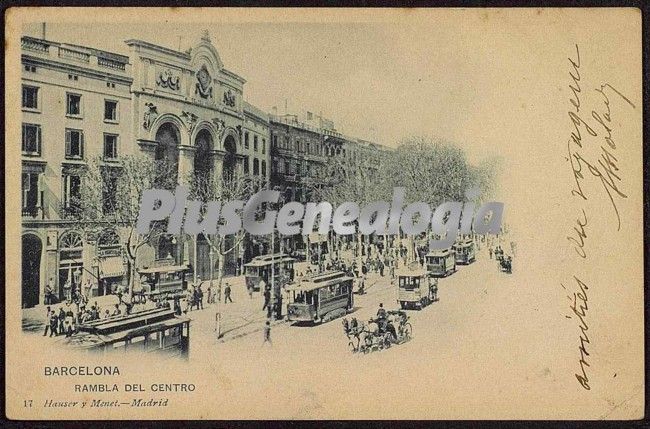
{"x": 320, "y": 298}
{"x": 260, "y": 268}
{"x": 465, "y": 251}
{"x": 157, "y": 331}
{"x": 415, "y": 289}
{"x": 441, "y": 263}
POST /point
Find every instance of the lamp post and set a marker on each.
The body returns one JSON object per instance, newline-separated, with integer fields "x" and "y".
{"x": 217, "y": 317}
{"x": 273, "y": 289}
{"x": 77, "y": 277}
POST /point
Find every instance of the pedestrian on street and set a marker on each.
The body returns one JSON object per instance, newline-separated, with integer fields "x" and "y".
{"x": 267, "y": 298}
{"x": 267, "y": 333}
{"x": 61, "y": 320}
{"x": 48, "y": 293}
{"x": 47, "y": 321}
{"x": 278, "y": 306}
{"x": 226, "y": 294}
{"x": 117, "y": 311}
{"x": 250, "y": 292}
{"x": 270, "y": 306}
{"x": 67, "y": 290}
{"x": 199, "y": 298}
{"x": 54, "y": 324}
{"x": 86, "y": 291}
{"x": 69, "y": 322}
{"x": 490, "y": 252}
{"x": 381, "y": 268}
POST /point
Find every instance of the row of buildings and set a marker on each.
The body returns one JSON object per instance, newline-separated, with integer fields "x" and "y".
{"x": 81, "y": 103}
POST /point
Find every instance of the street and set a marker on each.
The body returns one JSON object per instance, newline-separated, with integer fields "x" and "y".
{"x": 479, "y": 326}
{"x": 459, "y": 340}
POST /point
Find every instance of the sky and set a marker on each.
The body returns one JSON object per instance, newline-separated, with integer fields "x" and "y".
{"x": 382, "y": 82}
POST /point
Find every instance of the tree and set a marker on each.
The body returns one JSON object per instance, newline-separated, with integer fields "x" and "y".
{"x": 435, "y": 171}
{"x": 204, "y": 187}
{"x": 110, "y": 196}
{"x": 357, "y": 178}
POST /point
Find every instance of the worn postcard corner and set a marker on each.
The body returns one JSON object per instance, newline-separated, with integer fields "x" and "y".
{"x": 324, "y": 214}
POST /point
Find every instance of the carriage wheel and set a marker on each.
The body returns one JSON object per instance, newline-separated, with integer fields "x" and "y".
{"x": 408, "y": 330}
{"x": 368, "y": 341}
{"x": 387, "y": 340}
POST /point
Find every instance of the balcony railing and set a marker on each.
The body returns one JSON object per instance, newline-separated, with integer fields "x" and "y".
{"x": 111, "y": 64}
{"x": 33, "y": 212}
{"x": 35, "y": 45}
{"x": 74, "y": 55}
{"x": 90, "y": 56}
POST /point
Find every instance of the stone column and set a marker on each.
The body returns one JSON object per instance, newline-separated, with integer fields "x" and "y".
{"x": 217, "y": 165}
{"x": 185, "y": 163}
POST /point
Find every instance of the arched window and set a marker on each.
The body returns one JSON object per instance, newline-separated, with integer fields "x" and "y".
{"x": 108, "y": 238}
{"x": 203, "y": 154}
{"x": 71, "y": 241}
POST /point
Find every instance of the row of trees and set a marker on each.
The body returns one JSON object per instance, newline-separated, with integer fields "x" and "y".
{"x": 432, "y": 171}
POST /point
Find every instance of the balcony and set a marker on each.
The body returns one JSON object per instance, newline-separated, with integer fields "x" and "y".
{"x": 33, "y": 212}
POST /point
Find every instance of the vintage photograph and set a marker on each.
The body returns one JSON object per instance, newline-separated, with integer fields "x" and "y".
{"x": 324, "y": 214}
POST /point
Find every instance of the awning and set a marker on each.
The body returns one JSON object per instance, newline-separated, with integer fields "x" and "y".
{"x": 315, "y": 237}
{"x": 163, "y": 269}
{"x": 111, "y": 266}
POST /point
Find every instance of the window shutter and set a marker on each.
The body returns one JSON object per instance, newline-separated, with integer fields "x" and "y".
{"x": 68, "y": 148}
{"x": 66, "y": 191}
{"x": 38, "y": 140}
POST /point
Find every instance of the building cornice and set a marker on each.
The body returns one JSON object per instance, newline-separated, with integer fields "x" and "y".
{"x": 69, "y": 68}
{"x": 161, "y": 49}
{"x": 234, "y": 76}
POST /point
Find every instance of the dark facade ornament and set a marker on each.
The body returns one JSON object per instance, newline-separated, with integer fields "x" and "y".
{"x": 167, "y": 79}
{"x": 204, "y": 84}
{"x": 92, "y": 236}
{"x": 220, "y": 124}
{"x": 190, "y": 120}
{"x": 229, "y": 98}
{"x": 150, "y": 115}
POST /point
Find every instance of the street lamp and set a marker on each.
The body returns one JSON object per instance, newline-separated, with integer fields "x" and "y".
{"x": 218, "y": 313}
{"x": 273, "y": 290}
{"x": 77, "y": 275}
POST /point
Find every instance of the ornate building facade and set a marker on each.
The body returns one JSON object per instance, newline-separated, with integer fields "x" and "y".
{"x": 81, "y": 103}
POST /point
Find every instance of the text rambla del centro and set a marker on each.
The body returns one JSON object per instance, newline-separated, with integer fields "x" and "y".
{"x": 379, "y": 217}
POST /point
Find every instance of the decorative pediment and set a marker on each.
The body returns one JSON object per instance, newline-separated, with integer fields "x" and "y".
{"x": 150, "y": 115}
{"x": 204, "y": 83}
{"x": 229, "y": 98}
{"x": 205, "y": 54}
{"x": 220, "y": 125}
{"x": 190, "y": 120}
{"x": 168, "y": 79}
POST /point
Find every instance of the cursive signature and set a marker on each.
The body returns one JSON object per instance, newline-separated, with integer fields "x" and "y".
{"x": 579, "y": 236}
{"x": 579, "y": 307}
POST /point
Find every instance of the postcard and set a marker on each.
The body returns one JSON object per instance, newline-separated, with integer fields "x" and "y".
{"x": 256, "y": 213}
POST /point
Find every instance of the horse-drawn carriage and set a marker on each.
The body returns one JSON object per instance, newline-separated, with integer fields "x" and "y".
{"x": 379, "y": 333}
{"x": 505, "y": 264}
